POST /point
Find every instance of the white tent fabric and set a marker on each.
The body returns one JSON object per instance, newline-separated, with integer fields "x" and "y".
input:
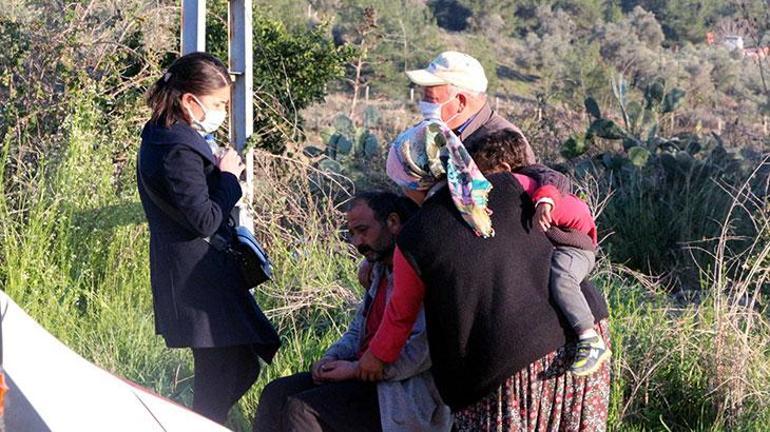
{"x": 54, "y": 389}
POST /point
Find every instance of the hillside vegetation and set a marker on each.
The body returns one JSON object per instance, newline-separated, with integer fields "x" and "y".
{"x": 664, "y": 134}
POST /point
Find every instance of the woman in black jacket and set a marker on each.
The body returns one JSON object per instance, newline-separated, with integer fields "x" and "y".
{"x": 188, "y": 188}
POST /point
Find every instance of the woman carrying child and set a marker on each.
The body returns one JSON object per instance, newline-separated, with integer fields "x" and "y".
{"x": 567, "y": 222}
{"x": 498, "y": 344}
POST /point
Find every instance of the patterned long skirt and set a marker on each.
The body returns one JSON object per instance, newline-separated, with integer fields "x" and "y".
{"x": 544, "y": 397}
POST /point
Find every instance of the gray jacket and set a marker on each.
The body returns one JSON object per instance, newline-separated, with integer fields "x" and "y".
{"x": 409, "y": 400}
{"x": 487, "y": 122}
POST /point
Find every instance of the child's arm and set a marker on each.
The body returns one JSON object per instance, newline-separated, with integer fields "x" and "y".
{"x": 554, "y": 208}
{"x": 563, "y": 211}
{"x": 544, "y": 197}
{"x": 547, "y": 176}
{"x": 528, "y": 183}
{"x": 548, "y": 194}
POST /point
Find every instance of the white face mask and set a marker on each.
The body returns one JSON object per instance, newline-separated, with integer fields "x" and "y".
{"x": 432, "y": 110}
{"x": 212, "y": 119}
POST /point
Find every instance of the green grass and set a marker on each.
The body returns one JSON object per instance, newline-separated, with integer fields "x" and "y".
{"x": 74, "y": 254}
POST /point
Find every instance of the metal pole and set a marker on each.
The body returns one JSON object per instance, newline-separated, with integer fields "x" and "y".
{"x": 242, "y": 110}
{"x": 193, "y": 26}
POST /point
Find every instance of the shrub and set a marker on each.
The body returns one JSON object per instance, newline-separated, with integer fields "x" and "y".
{"x": 291, "y": 71}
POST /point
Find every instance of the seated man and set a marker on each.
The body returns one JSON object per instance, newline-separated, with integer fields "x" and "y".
{"x": 330, "y": 397}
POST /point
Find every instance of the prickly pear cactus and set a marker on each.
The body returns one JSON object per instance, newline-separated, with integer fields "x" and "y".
{"x": 372, "y": 117}
{"x": 347, "y": 146}
{"x": 574, "y": 146}
{"x": 344, "y": 125}
{"x": 368, "y": 145}
{"x": 640, "y": 132}
{"x": 341, "y": 144}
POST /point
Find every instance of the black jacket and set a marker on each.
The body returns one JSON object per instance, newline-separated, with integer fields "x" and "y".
{"x": 199, "y": 297}
{"x": 487, "y": 303}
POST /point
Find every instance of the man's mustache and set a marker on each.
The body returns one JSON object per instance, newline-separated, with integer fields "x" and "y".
{"x": 363, "y": 249}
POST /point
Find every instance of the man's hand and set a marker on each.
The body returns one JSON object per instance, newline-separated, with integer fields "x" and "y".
{"x": 315, "y": 370}
{"x": 338, "y": 370}
{"x": 543, "y": 218}
{"x": 370, "y": 368}
{"x": 365, "y": 273}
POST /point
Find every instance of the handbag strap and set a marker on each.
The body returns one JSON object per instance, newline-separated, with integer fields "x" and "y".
{"x": 216, "y": 241}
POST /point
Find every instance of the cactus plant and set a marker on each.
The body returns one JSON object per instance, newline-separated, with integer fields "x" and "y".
{"x": 653, "y": 94}
{"x": 341, "y": 144}
{"x": 640, "y": 132}
{"x": 574, "y": 147}
{"x": 592, "y": 107}
{"x": 368, "y": 145}
{"x": 330, "y": 165}
{"x": 607, "y": 129}
{"x": 344, "y": 125}
{"x": 638, "y": 156}
{"x": 312, "y": 151}
{"x": 347, "y": 144}
{"x": 672, "y": 100}
{"x": 372, "y": 117}
{"x": 646, "y": 146}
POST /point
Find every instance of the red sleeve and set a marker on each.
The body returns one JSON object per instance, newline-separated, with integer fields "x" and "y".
{"x": 528, "y": 183}
{"x": 573, "y": 213}
{"x": 401, "y": 311}
{"x": 547, "y": 191}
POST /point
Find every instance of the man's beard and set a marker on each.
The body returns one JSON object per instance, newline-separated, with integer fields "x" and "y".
{"x": 378, "y": 254}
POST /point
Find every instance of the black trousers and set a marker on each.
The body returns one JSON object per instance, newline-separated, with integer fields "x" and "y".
{"x": 295, "y": 403}
{"x": 222, "y": 376}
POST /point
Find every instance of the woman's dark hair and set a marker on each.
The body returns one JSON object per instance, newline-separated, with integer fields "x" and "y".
{"x": 503, "y": 146}
{"x": 197, "y": 73}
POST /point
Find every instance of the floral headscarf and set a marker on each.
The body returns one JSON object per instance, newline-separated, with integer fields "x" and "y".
{"x": 429, "y": 153}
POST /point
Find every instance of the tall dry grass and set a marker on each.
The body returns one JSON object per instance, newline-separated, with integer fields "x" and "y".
{"x": 74, "y": 254}
{"x": 700, "y": 360}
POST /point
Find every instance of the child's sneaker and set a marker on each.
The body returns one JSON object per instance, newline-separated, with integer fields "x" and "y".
{"x": 590, "y": 355}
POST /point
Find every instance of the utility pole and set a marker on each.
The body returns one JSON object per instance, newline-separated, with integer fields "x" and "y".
{"x": 242, "y": 98}
{"x": 193, "y": 26}
{"x": 241, "y": 57}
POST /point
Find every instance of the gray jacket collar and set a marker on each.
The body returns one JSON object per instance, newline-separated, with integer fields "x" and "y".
{"x": 481, "y": 118}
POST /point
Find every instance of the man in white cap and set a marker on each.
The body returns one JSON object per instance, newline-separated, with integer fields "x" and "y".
{"x": 454, "y": 91}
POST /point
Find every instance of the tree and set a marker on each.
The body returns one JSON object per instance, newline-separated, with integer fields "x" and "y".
{"x": 407, "y": 37}
{"x": 291, "y": 71}
{"x": 367, "y": 36}
{"x": 681, "y": 20}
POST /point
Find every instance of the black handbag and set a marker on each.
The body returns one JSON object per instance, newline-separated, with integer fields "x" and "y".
{"x": 255, "y": 265}
{"x": 253, "y": 261}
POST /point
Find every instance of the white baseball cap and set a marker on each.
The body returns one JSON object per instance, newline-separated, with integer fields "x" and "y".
{"x": 452, "y": 67}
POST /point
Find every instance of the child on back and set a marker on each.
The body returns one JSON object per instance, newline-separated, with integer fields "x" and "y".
{"x": 568, "y": 223}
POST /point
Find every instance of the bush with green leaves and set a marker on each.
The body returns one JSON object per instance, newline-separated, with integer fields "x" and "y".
{"x": 564, "y": 66}
{"x": 353, "y": 151}
{"x": 667, "y": 190}
{"x": 292, "y": 68}
{"x": 50, "y": 56}
{"x": 407, "y": 38}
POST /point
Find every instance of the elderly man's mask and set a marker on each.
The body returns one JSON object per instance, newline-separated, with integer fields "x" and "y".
{"x": 432, "y": 110}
